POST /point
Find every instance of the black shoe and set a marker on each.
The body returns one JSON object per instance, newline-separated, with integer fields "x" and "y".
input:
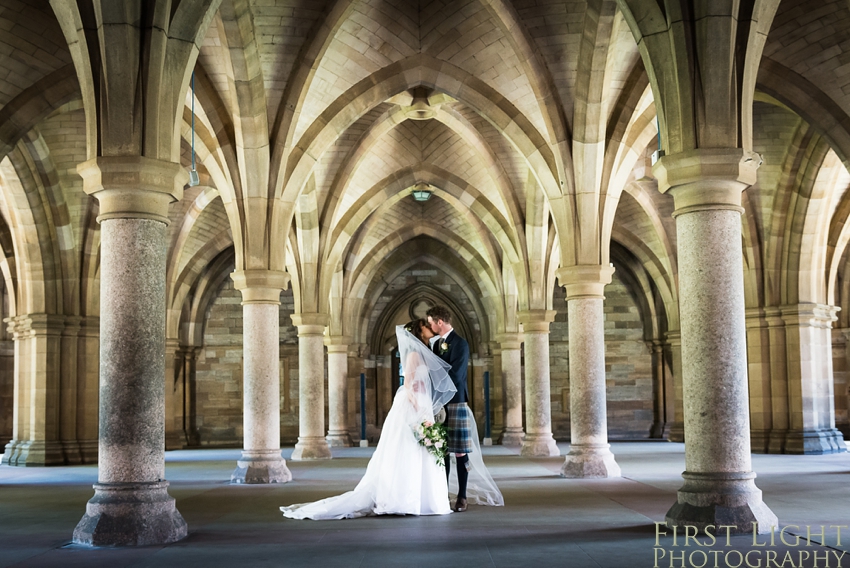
{"x": 460, "y": 506}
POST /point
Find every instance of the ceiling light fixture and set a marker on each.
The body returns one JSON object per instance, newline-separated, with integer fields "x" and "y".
{"x": 421, "y": 192}
{"x": 194, "y": 179}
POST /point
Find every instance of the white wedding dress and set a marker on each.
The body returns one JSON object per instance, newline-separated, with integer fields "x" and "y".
{"x": 402, "y": 478}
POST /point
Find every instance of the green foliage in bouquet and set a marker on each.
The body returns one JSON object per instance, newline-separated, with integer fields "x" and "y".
{"x": 433, "y": 436}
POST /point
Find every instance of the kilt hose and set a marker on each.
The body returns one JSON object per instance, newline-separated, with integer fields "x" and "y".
{"x": 459, "y": 428}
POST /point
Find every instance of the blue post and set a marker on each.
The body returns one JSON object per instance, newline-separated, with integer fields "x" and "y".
{"x": 488, "y": 440}
{"x": 363, "y": 410}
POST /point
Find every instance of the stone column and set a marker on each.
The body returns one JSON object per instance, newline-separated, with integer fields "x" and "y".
{"x": 338, "y": 391}
{"x": 174, "y": 439}
{"x": 841, "y": 347}
{"x": 538, "y": 412}
{"x": 808, "y": 348}
{"x": 189, "y": 356}
{"x": 261, "y": 461}
{"x": 767, "y": 380}
{"x": 131, "y": 505}
{"x": 719, "y": 483}
{"x": 88, "y": 371}
{"x": 674, "y": 346}
{"x": 590, "y": 454}
{"x": 355, "y": 367}
{"x": 512, "y": 380}
{"x": 69, "y": 386}
{"x": 37, "y": 434}
{"x": 659, "y": 391}
{"x": 311, "y": 387}
{"x": 497, "y": 399}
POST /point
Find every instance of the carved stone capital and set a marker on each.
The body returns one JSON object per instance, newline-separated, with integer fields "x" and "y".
{"x": 133, "y": 187}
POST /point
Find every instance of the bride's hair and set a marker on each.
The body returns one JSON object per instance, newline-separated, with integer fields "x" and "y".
{"x": 415, "y": 328}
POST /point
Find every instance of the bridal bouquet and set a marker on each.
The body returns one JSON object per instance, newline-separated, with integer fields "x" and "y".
{"x": 433, "y": 437}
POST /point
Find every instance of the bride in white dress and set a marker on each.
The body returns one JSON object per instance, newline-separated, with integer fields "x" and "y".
{"x": 402, "y": 478}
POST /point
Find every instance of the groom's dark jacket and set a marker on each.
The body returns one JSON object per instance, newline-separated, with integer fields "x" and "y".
{"x": 456, "y": 355}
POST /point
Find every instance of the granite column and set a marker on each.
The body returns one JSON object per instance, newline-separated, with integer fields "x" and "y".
{"x": 131, "y": 505}
{"x": 311, "y": 387}
{"x": 338, "y": 391}
{"x": 719, "y": 483}
{"x": 512, "y": 377}
{"x": 261, "y": 461}
{"x": 538, "y": 411}
{"x": 590, "y": 454}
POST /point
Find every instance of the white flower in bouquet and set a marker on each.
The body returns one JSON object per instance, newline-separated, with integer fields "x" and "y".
{"x": 433, "y": 437}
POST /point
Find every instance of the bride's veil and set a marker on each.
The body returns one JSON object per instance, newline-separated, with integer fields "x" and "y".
{"x": 440, "y": 385}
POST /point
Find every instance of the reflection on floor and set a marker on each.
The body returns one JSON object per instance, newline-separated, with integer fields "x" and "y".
{"x": 547, "y": 520}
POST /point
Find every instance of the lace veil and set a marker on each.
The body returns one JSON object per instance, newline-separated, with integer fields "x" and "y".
{"x": 480, "y": 487}
{"x": 418, "y": 360}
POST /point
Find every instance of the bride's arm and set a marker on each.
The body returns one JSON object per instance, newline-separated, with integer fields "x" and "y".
{"x": 410, "y": 382}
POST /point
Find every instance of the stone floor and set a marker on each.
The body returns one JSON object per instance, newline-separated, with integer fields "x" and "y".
{"x": 547, "y": 520}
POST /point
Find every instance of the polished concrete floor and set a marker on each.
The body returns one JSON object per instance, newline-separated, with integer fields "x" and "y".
{"x": 547, "y": 520}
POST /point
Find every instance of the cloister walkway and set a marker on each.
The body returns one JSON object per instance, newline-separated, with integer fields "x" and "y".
{"x": 547, "y": 520}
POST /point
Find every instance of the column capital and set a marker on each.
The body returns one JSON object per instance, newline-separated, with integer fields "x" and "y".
{"x": 809, "y": 314}
{"x": 508, "y": 340}
{"x": 585, "y": 280}
{"x": 673, "y": 337}
{"x": 172, "y": 345}
{"x": 707, "y": 178}
{"x": 536, "y": 320}
{"x": 310, "y": 324}
{"x": 337, "y": 343}
{"x": 133, "y": 187}
{"x": 29, "y": 325}
{"x": 260, "y": 286}
{"x": 767, "y": 317}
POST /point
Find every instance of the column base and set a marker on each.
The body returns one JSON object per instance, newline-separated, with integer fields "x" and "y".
{"x": 760, "y": 442}
{"x": 260, "y": 467}
{"x": 88, "y": 451}
{"x": 130, "y": 514}
{"x": 659, "y": 430}
{"x": 513, "y": 437}
{"x": 721, "y": 499}
{"x": 71, "y": 451}
{"x": 29, "y": 453}
{"x": 311, "y": 448}
{"x": 589, "y": 461}
{"x": 338, "y": 439}
{"x": 677, "y": 432}
{"x": 539, "y": 445}
{"x": 815, "y": 442}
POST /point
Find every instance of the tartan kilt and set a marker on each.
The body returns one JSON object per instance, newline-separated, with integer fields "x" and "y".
{"x": 458, "y": 428}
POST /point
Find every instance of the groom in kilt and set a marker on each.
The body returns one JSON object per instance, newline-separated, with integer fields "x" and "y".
{"x": 454, "y": 350}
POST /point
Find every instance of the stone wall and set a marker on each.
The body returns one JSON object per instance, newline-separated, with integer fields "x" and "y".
{"x": 628, "y": 367}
